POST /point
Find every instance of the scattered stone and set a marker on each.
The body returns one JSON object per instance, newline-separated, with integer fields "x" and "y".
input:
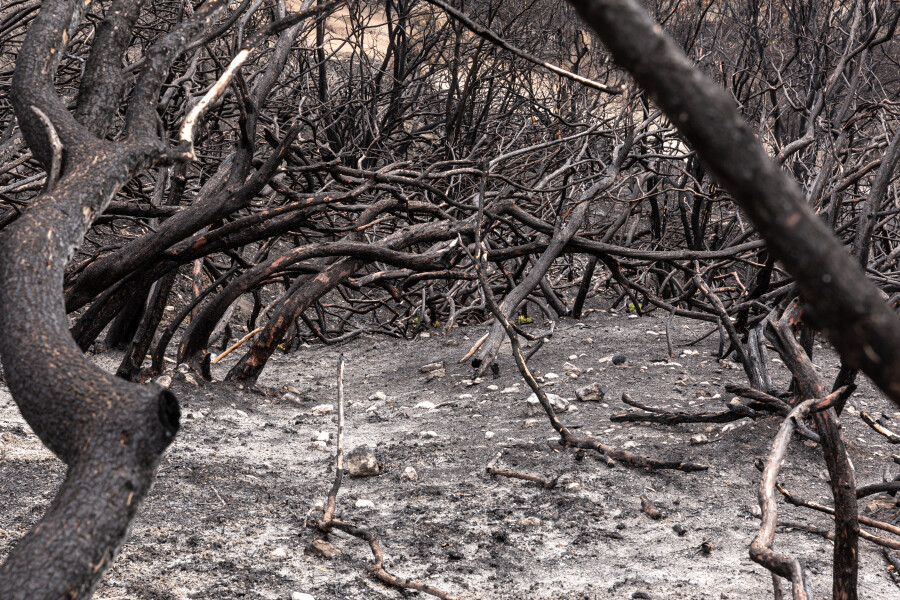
{"x": 292, "y": 397}
{"x": 410, "y": 474}
{"x": 628, "y": 444}
{"x": 557, "y": 402}
{"x": 510, "y": 390}
{"x": 366, "y": 504}
{"x": 425, "y": 405}
{"x": 618, "y": 359}
{"x": 493, "y": 388}
{"x": 322, "y": 409}
{"x": 431, "y": 367}
{"x": 436, "y": 375}
{"x": 320, "y": 548}
{"x": 756, "y": 511}
{"x": 241, "y": 414}
{"x": 279, "y": 552}
{"x": 532, "y": 423}
{"x": 378, "y": 396}
{"x": 319, "y": 505}
{"x": 464, "y": 396}
{"x": 322, "y": 436}
{"x": 735, "y": 425}
{"x": 320, "y": 446}
{"x": 697, "y": 440}
{"x": 488, "y": 434}
{"x": 164, "y": 380}
{"x": 551, "y": 376}
{"x": 191, "y": 380}
{"x": 530, "y": 522}
{"x": 361, "y": 462}
{"x": 591, "y": 393}
{"x": 301, "y": 596}
{"x": 428, "y": 434}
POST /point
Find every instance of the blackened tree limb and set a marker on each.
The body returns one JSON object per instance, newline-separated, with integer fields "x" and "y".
{"x": 844, "y": 304}
{"x": 840, "y": 469}
{"x": 761, "y": 548}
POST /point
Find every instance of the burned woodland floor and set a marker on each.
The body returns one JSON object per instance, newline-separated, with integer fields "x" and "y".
{"x": 226, "y": 518}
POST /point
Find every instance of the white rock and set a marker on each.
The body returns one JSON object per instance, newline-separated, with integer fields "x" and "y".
{"x": 410, "y": 474}
{"x": 699, "y": 439}
{"x": 428, "y": 434}
{"x": 465, "y": 396}
{"x": 424, "y": 335}
{"x": 493, "y": 388}
{"x": 629, "y": 444}
{"x": 242, "y": 414}
{"x": 323, "y": 409}
{"x": 164, "y": 381}
{"x": 279, "y": 552}
{"x": 426, "y": 405}
{"x": 319, "y": 505}
{"x": 322, "y": 436}
{"x": 551, "y": 376}
{"x": 301, "y": 596}
{"x": 532, "y": 423}
{"x": 510, "y": 390}
{"x": 320, "y": 446}
{"x": 573, "y": 357}
{"x": 488, "y": 434}
{"x": 557, "y": 402}
{"x": 378, "y": 396}
{"x": 363, "y": 503}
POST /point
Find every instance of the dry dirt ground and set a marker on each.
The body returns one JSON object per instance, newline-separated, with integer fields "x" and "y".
{"x": 226, "y": 518}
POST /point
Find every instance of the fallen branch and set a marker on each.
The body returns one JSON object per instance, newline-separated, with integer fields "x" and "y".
{"x": 890, "y": 435}
{"x": 327, "y": 523}
{"x": 237, "y": 344}
{"x": 547, "y": 484}
{"x": 761, "y": 551}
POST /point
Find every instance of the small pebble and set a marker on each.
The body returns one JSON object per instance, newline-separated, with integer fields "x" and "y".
{"x": 488, "y": 434}
{"x": 425, "y": 405}
{"x": 378, "y": 396}
{"x": 618, "y": 359}
{"x": 410, "y": 474}
{"x": 279, "y": 552}
{"x": 301, "y": 596}
{"x": 428, "y": 434}
{"x": 323, "y": 409}
{"x": 699, "y": 439}
{"x": 363, "y": 503}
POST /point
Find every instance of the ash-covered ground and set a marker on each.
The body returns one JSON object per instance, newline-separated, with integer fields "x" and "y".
{"x": 226, "y": 518}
